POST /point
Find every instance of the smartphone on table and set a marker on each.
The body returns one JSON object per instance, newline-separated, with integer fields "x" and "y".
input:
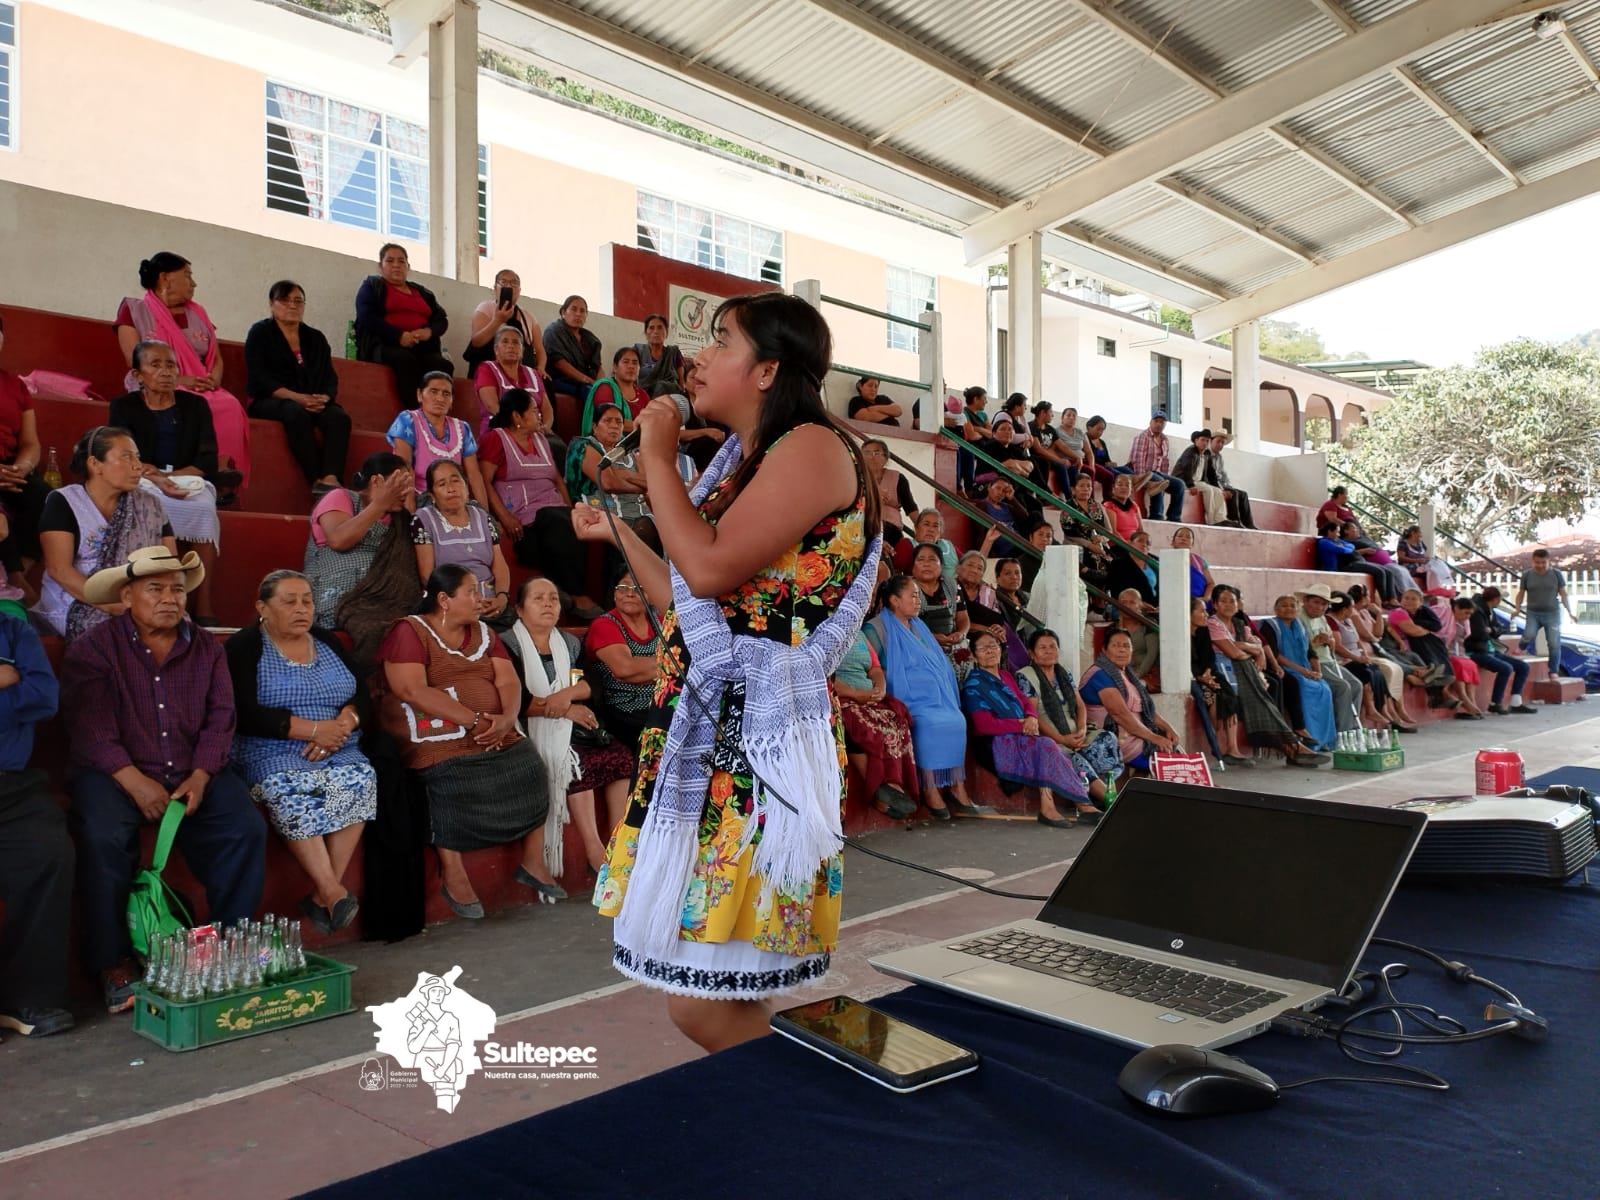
{"x": 887, "y": 1050}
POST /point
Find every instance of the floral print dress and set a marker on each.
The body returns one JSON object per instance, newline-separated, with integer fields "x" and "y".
{"x": 732, "y": 944}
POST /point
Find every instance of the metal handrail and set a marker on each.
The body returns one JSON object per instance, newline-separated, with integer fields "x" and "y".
{"x": 1046, "y": 496}
{"x": 920, "y": 384}
{"x": 877, "y": 312}
{"x": 987, "y": 522}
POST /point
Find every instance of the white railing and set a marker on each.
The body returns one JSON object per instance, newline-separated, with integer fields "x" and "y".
{"x": 1583, "y": 589}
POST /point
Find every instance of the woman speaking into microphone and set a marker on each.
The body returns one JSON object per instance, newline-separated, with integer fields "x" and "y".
{"x": 725, "y": 876}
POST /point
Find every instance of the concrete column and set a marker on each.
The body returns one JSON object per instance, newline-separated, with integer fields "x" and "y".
{"x": 453, "y": 142}
{"x": 930, "y": 367}
{"x": 1247, "y": 386}
{"x": 810, "y": 290}
{"x": 1172, "y": 572}
{"x": 1427, "y": 517}
{"x": 1058, "y": 598}
{"x": 1025, "y": 317}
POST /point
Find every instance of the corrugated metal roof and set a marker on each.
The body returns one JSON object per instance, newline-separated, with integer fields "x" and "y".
{"x": 836, "y": 62}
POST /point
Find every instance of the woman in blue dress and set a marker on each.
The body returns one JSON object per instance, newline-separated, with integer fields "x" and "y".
{"x": 1286, "y": 638}
{"x": 921, "y": 677}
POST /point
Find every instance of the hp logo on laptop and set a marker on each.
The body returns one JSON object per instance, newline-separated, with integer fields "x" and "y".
{"x": 1177, "y": 943}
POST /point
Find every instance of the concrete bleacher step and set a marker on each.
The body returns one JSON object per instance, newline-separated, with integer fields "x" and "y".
{"x": 1222, "y": 546}
{"x": 1565, "y": 690}
{"x": 1259, "y": 587}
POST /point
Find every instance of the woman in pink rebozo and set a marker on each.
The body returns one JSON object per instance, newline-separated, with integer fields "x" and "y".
{"x": 167, "y": 312}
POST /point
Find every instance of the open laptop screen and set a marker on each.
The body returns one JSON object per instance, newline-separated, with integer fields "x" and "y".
{"x": 1273, "y": 884}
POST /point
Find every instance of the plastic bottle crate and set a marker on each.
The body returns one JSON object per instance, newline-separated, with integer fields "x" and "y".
{"x": 1391, "y": 759}
{"x": 323, "y": 990}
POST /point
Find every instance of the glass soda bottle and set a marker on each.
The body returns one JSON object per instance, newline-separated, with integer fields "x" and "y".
{"x": 52, "y": 471}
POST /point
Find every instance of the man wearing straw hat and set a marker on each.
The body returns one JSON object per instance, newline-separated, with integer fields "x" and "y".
{"x": 152, "y": 721}
{"x": 1346, "y": 687}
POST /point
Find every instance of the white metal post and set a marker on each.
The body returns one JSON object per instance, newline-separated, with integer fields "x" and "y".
{"x": 1172, "y": 573}
{"x": 1247, "y": 386}
{"x": 930, "y": 366}
{"x": 453, "y": 142}
{"x": 810, "y": 290}
{"x": 1426, "y": 517}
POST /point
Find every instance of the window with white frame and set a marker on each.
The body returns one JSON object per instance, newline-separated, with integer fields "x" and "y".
{"x": 711, "y": 239}
{"x": 911, "y": 295}
{"x": 333, "y": 161}
{"x": 8, "y": 76}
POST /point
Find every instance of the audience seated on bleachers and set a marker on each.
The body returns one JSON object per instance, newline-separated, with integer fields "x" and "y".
{"x": 663, "y": 369}
{"x": 894, "y": 492}
{"x": 1415, "y": 629}
{"x": 1245, "y": 661}
{"x": 35, "y": 852}
{"x": 153, "y": 721}
{"x": 1064, "y": 717}
{"x": 983, "y": 607}
{"x": 620, "y": 389}
{"x": 974, "y": 427}
{"x": 401, "y": 325}
{"x": 1000, "y": 505}
{"x": 495, "y": 314}
{"x": 1200, "y": 581}
{"x": 1088, "y": 530}
{"x": 1152, "y": 477}
{"x": 1483, "y": 646}
{"x": 1072, "y": 442}
{"x": 1237, "y": 500}
{"x": 1346, "y": 688}
{"x": 89, "y": 526}
{"x": 919, "y": 675}
{"x": 1369, "y": 627}
{"x": 1191, "y": 471}
{"x": 572, "y": 353}
{"x": 1371, "y": 552}
{"x": 581, "y": 759}
{"x": 595, "y": 463}
{"x": 1008, "y": 739}
{"x": 348, "y": 526}
{"x": 1054, "y": 461}
{"x": 877, "y": 731}
{"x": 1003, "y": 446}
{"x": 1135, "y": 570}
{"x": 1011, "y": 595}
{"x": 497, "y": 375}
{"x": 1335, "y": 509}
{"x": 167, "y": 312}
{"x": 530, "y": 499}
{"x": 300, "y": 710}
{"x": 451, "y": 699}
{"x": 621, "y": 644}
{"x": 1041, "y": 536}
{"x": 1454, "y": 624}
{"x": 1428, "y": 571}
{"x": 289, "y": 368}
{"x": 1122, "y": 509}
{"x": 1379, "y": 707}
{"x": 22, "y": 492}
{"x": 1119, "y": 701}
{"x": 1335, "y": 553}
{"x": 451, "y": 531}
{"x": 178, "y": 449}
{"x": 866, "y": 406}
{"x": 1211, "y": 688}
{"x": 1014, "y": 412}
{"x": 1308, "y": 697}
{"x": 428, "y": 433}
{"x": 1105, "y": 469}
{"x": 1145, "y": 653}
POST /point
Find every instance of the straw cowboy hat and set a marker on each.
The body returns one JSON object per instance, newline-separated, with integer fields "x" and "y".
{"x": 105, "y": 587}
{"x": 1319, "y": 590}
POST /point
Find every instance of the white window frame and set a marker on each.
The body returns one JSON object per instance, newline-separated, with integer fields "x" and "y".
{"x": 910, "y": 302}
{"x": 384, "y": 151}
{"x": 714, "y": 247}
{"x": 12, "y": 93}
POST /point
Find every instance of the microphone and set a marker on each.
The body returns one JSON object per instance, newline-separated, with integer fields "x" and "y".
{"x": 630, "y": 440}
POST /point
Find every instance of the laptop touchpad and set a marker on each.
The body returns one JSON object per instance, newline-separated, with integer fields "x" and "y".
{"x": 1015, "y": 981}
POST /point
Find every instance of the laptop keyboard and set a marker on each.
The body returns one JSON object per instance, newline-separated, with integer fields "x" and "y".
{"x": 1189, "y": 992}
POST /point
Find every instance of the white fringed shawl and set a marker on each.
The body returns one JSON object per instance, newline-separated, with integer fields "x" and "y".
{"x": 787, "y": 738}
{"x": 551, "y": 736}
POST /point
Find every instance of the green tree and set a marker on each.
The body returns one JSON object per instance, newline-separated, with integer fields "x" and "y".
{"x": 1497, "y": 447}
{"x": 1176, "y": 319}
{"x": 1293, "y": 343}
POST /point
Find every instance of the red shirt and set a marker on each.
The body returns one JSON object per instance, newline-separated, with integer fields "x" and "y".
{"x": 405, "y": 311}
{"x": 14, "y": 401}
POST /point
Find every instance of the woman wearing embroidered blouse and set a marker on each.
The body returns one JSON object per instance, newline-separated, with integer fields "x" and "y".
{"x": 623, "y": 645}
{"x": 450, "y": 698}
{"x": 530, "y": 501}
{"x": 623, "y": 482}
{"x": 452, "y": 531}
{"x": 1010, "y": 742}
{"x": 1064, "y": 717}
{"x": 506, "y": 370}
{"x": 556, "y": 706}
{"x": 297, "y": 745}
{"x": 765, "y": 558}
{"x": 1118, "y": 701}
{"x": 429, "y": 433}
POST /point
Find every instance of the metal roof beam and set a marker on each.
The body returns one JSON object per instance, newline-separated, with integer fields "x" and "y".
{"x": 1484, "y": 217}
{"x": 1108, "y": 16}
{"x": 966, "y": 81}
{"x": 1414, "y": 30}
{"x": 1426, "y": 94}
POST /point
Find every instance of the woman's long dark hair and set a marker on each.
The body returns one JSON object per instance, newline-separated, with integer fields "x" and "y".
{"x": 516, "y": 400}
{"x": 446, "y": 579}
{"x": 789, "y": 331}
{"x": 387, "y": 592}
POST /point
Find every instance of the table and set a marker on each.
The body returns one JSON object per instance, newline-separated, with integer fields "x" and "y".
{"x": 1043, "y": 1115}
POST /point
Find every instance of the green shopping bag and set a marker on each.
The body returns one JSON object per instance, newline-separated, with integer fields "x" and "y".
{"x": 154, "y": 909}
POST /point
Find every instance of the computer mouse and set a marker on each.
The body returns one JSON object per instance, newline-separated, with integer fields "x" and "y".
{"x": 1195, "y": 1083}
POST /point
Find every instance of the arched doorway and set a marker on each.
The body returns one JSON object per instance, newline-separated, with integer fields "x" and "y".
{"x": 1320, "y": 426}
{"x": 1349, "y": 420}
{"x": 1280, "y": 415}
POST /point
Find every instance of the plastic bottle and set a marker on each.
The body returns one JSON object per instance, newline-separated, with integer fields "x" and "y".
{"x": 52, "y": 471}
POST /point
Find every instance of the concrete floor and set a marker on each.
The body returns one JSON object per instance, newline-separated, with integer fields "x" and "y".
{"x": 277, "y": 1113}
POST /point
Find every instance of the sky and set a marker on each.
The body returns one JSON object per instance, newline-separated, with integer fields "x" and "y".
{"x": 1539, "y": 278}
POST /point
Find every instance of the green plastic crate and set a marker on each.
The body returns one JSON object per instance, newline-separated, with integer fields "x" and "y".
{"x": 323, "y": 991}
{"x": 1369, "y": 760}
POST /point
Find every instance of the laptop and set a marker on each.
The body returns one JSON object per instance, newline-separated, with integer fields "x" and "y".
{"x": 1192, "y": 916}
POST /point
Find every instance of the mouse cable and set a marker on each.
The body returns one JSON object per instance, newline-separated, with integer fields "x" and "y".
{"x": 720, "y": 735}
